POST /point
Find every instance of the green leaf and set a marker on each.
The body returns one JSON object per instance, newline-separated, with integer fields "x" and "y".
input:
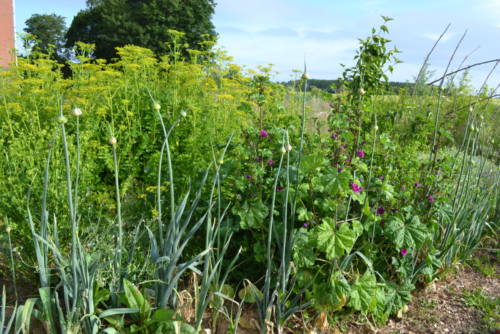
{"x": 252, "y": 213}
{"x": 397, "y": 297}
{"x": 101, "y": 295}
{"x": 409, "y": 234}
{"x": 333, "y": 243}
{"x": 331, "y": 181}
{"x": 357, "y": 227}
{"x": 304, "y": 215}
{"x": 310, "y": 163}
{"x": 246, "y": 294}
{"x": 378, "y": 303}
{"x": 246, "y": 107}
{"x": 303, "y": 255}
{"x": 363, "y": 292}
{"x": 388, "y": 190}
{"x": 178, "y": 328}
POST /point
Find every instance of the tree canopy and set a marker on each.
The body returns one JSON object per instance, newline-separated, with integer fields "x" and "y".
{"x": 49, "y": 29}
{"x": 116, "y": 23}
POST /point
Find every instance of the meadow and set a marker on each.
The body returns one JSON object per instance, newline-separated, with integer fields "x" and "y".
{"x": 167, "y": 195}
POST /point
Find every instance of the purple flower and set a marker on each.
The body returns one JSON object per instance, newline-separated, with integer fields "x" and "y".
{"x": 306, "y": 224}
{"x": 390, "y": 260}
{"x": 387, "y": 155}
{"x": 363, "y": 142}
{"x": 361, "y": 154}
{"x": 393, "y": 210}
{"x": 279, "y": 188}
{"x": 417, "y": 184}
{"x": 431, "y": 199}
{"x": 439, "y": 173}
{"x": 355, "y": 187}
{"x": 329, "y": 130}
{"x": 331, "y": 105}
{"x": 334, "y": 136}
{"x": 340, "y": 169}
{"x": 271, "y": 162}
{"x": 340, "y": 132}
{"x": 382, "y": 222}
{"x": 248, "y": 177}
{"x": 348, "y": 119}
{"x": 380, "y": 211}
{"x": 257, "y": 159}
{"x": 342, "y": 147}
{"x": 404, "y": 252}
{"x": 360, "y": 179}
{"x": 263, "y": 133}
{"x": 403, "y": 187}
{"x": 270, "y": 139}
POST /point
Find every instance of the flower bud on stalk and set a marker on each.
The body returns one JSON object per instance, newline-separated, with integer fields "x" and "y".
{"x": 156, "y": 106}
{"x": 51, "y": 144}
{"x": 61, "y": 119}
{"x": 471, "y": 128}
{"x": 472, "y": 163}
{"x": 470, "y": 109}
{"x": 220, "y": 161}
{"x": 112, "y": 141}
{"x": 376, "y": 127}
{"x": 481, "y": 116}
{"x": 492, "y": 141}
{"x": 8, "y": 229}
{"x": 288, "y": 147}
{"x": 76, "y": 112}
{"x": 305, "y": 76}
{"x": 361, "y": 91}
{"x": 282, "y": 150}
{"x": 183, "y": 113}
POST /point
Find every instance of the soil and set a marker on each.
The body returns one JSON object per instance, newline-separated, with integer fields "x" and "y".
{"x": 436, "y": 309}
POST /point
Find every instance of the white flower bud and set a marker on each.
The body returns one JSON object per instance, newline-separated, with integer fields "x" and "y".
{"x": 376, "y": 127}
{"x": 305, "y": 76}
{"x": 470, "y": 109}
{"x": 76, "y": 112}
{"x": 361, "y": 91}
{"x": 8, "y": 229}
{"x": 183, "y": 113}
{"x": 112, "y": 141}
{"x": 288, "y": 147}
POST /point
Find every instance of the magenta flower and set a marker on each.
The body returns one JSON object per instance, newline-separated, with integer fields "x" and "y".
{"x": 342, "y": 147}
{"x": 382, "y": 222}
{"x": 306, "y": 224}
{"x": 439, "y": 173}
{"x": 263, "y": 133}
{"x": 348, "y": 119}
{"x": 340, "y": 169}
{"x": 334, "y": 136}
{"x": 431, "y": 199}
{"x": 355, "y": 187}
{"x": 404, "y": 252}
{"x": 361, "y": 154}
{"x": 403, "y": 187}
{"x": 279, "y": 188}
{"x": 380, "y": 211}
{"x": 417, "y": 184}
{"x": 248, "y": 177}
{"x": 271, "y": 162}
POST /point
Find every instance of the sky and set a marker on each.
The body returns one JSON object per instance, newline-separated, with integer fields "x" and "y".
{"x": 281, "y": 32}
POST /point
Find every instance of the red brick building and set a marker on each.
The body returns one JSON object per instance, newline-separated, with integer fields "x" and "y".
{"x": 6, "y": 31}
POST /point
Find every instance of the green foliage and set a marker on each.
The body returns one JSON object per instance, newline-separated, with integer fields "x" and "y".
{"x": 327, "y": 238}
{"x": 489, "y": 307}
{"x": 49, "y": 30}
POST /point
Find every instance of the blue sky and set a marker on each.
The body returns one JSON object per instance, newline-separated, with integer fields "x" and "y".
{"x": 280, "y": 32}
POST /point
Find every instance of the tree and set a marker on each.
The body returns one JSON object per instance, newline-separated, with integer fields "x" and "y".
{"x": 49, "y": 29}
{"x": 145, "y": 23}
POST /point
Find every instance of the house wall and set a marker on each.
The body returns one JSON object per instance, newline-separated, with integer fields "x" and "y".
{"x": 6, "y": 31}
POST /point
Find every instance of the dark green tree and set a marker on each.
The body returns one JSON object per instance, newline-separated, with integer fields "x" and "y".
{"x": 145, "y": 23}
{"x": 49, "y": 29}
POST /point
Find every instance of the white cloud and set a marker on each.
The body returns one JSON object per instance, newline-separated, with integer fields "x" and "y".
{"x": 435, "y": 37}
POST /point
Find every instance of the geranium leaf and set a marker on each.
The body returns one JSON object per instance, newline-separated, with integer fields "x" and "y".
{"x": 333, "y": 243}
{"x": 407, "y": 233}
